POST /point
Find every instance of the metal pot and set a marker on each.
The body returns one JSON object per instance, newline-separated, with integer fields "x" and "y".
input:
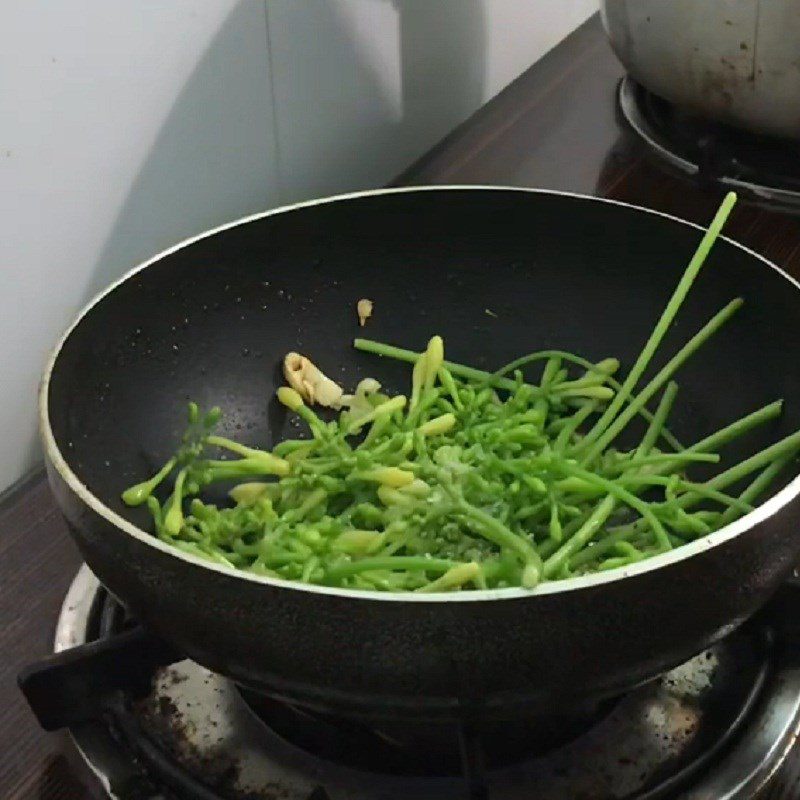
{"x": 736, "y": 61}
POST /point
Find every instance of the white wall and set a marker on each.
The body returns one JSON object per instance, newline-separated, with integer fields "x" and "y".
{"x": 127, "y": 125}
{"x": 363, "y": 87}
{"x": 124, "y": 126}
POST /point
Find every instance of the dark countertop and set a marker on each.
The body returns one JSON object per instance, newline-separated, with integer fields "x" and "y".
{"x": 556, "y": 127}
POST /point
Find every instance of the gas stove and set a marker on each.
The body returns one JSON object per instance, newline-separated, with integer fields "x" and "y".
{"x": 718, "y": 726}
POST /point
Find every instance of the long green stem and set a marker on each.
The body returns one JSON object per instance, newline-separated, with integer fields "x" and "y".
{"x": 497, "y": 379}
{"x": 494, "y": 530}
{"x": 667, "y": 316}
{"x": 661, "y": 459}
{"x": 573, "y": 423}
{"x": 595, "y": 442}
{"x": 555, "y": 563}
{"x": 757, "y": 487}
{"x": 658, "y": 421}
{"x": 730, "y": 432}
{"x": 623, "y": 495}
{"x": 405, "y": 563}
{"x": 586, "y": 556}
{"x": 787, "y": 446}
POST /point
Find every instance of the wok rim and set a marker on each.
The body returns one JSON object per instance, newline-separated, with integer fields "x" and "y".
{"x": 762, "y": 512}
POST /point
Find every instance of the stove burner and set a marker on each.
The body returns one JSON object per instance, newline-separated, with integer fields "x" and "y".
{"x": 718, "y": 726}
{"x": 390, "y": 747}
{"x": 764, "y": 168}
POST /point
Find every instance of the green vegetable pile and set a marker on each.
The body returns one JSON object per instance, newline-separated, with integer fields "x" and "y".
{"x": 476, "y": 480}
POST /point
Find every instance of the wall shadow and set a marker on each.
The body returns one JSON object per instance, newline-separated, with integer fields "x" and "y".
{"x": 342, "y": 122}
{"x": 443, "y": 57}
{"x": 252, "y": 129}
{"x": 212, "y": 160}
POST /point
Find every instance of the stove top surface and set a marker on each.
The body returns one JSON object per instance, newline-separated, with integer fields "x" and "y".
{"x": 718, "y": 726}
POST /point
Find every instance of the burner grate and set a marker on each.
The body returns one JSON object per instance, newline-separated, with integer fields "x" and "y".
{"x": 398, "y": 748}
{"x": 107, "y": 620}
{"x": 718, "y": 726}
{"x": 765, "y": 169}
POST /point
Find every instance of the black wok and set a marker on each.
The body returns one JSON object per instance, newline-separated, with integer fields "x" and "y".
{"x": 210, "y": 319}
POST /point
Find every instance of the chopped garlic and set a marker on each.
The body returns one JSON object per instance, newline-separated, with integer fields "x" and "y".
{"x": 310, "y": 382}
{"x": 359, "y": 404}
{"x": 364, "y": 309}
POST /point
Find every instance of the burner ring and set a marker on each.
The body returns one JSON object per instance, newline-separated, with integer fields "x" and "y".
{"x": 773, "y": 723}
{"x": 764, "y": 169}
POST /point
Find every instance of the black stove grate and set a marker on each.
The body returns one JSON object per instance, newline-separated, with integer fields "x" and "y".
{"x": 456, "y": 761}
{"x": 468, "y": 749}
{"x": 765, "y": 169}
{"x": 106, "y": 620}
{"x": 391, "y": 747}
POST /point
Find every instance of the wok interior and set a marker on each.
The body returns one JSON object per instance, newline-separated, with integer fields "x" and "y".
{"x": 497, "y": 273}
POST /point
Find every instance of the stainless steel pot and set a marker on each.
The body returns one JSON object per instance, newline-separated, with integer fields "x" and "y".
{"x": 737, "y": 61}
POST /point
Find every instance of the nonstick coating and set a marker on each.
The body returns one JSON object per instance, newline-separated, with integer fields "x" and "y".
{"x": 496, "y": 272}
